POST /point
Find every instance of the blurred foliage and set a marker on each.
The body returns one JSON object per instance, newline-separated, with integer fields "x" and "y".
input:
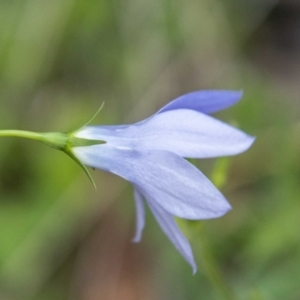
{"x": 60, "y": 60}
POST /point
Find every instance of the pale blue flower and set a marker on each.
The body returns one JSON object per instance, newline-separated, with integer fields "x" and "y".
{"x": 150, "y": 154}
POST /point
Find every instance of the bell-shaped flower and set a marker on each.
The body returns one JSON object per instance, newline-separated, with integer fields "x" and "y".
{"x": 149, "y": 154}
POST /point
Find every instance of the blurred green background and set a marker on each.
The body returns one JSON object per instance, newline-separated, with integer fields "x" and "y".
{"x": 60, "y": 60}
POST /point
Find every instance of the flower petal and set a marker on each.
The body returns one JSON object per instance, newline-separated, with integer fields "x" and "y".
{"x": 175, "y": 184}
{"x": 140, "y": 215}
{"x": 182, "y": 131}
{"x": 204, "y": 101}
{"x": 170, "y": 228}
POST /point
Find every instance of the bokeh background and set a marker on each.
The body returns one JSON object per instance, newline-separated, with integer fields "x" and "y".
{"x": 60, "y": 60}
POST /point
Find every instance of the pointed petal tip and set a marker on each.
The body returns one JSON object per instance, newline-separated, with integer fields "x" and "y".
{"x": 240, "y": 92}
{"x": 136, "y": 240}
{"x": 194, "y": 267}
{"x": 227, "y": 209}
{"x": 192, "y": 263}
{"x": 243, "y": 145}
{"x": 251, "y": 140}
{"x": 223, "y": 210}
{"x": 235, "y": 94}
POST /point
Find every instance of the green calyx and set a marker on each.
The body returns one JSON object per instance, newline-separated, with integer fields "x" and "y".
{"x": 66, "y": 141}
{"x": 57, "y": 140}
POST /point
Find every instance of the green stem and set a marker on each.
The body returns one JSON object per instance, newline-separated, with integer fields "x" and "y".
{"x": 55, "y": 140}
{"x": 21, "y": 133}
{"x": 210, "y": 266}
{"x": 213, "y": 272}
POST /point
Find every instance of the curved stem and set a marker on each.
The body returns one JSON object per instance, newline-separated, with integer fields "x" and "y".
{"x": 21, "y": 133}
{"x": 212, "y": 270}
